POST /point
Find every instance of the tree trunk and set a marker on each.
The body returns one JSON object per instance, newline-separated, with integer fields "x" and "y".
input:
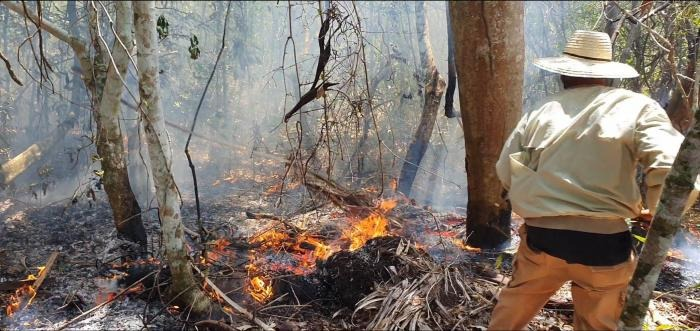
{"x": 183, "y": 283}
{"x": 489, "y": 44}
{"x": 666, "y": 223}
{"x": 433, "y": 90}
{"x": 678, "y": 110}
{"x": 110, "y": 141}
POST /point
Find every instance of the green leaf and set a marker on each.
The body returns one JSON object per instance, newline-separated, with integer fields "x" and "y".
{"x": 163, "y": 27}
{"x": 194, "y": 47}
{"x": 499, "y": 262}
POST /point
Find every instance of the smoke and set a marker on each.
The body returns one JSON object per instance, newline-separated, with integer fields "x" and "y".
{"x": 256, "y": 83}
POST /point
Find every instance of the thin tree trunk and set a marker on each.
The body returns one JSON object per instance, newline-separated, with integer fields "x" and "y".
{"x": 451, "y": 69}
{"x": 489, "y": 43}
{"x": 433, "y": 90}
{"x": 667, "y": 221}
{"x": 110, "y": 141}
{"x": 183, "y": 283}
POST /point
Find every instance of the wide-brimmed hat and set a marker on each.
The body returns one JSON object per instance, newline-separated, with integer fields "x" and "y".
{"x": 587, "y": 54}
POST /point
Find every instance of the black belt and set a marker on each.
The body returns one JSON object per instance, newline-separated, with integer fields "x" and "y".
{"x": 591, "y": 249}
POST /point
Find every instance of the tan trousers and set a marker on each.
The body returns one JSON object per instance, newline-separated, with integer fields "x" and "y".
{"x": 598, "y": 292}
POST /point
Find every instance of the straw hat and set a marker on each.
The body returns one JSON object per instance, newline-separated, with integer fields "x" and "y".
{"x": 587, "y": 54}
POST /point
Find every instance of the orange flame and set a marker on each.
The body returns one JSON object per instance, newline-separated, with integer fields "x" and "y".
{"x": 260, "y": 289}
{"x": 18, "y": 297}
{"x": 375, "y": 225}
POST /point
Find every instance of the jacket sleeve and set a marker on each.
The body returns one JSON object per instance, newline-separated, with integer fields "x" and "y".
{"x": 512, "y": 145}
{"x": 657, "y": 144}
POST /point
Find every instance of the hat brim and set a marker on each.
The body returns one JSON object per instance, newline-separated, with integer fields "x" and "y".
{"x": 576, "y": 67}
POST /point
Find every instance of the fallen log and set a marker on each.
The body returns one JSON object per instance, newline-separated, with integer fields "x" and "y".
{"x": 11, "y": 169}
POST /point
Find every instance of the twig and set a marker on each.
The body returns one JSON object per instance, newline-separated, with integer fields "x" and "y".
{"x": 661, "y": 295}
{"x": 93, "y": 309}
{"x": 194, "y": 122}
{"x": 232, "y": 303}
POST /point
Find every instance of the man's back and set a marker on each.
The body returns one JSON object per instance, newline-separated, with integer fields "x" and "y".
{"x": 577, "y": 154}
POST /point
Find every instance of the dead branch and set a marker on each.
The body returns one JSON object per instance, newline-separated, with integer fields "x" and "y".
{"x": 661, "y": 295}
{"x": 202, "y": 231}
{"x": 336, "y": 193}
{"x": 47, "y": 268}
{"x": 232, "y": 303}
{"x": 214, "y": 325}
{"x": 9, "y": 69}
{"x": 93, "y": 309}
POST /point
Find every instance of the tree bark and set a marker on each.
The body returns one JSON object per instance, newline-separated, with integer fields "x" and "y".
{"x": 679, "y": 111}
{"x": 110, "y": 141}
{"x": 489, "y": 44}
{"x": 434, "y": 87}
{"x": 183, "y": 283}
{"x": 667, "y": 221}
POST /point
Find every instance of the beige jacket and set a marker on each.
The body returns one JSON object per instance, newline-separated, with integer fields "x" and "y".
{"x": 577, "y": 154}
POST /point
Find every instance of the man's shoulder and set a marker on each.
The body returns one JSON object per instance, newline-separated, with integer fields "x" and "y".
{"x": 601, "y": 95}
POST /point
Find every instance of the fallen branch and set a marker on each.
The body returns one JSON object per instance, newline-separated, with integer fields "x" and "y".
{"x": 93, "y": 309}
{"x": 214, "y": 325}
{"x": 44, "y": 272}
{"x": 232, "y": 303}
{"x": 677, "y": 298}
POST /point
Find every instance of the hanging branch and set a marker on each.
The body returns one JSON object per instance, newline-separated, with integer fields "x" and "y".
{"x": 202, "y": 232}
{"x": 324, "y": 55}
{"x": 9, "y": 69}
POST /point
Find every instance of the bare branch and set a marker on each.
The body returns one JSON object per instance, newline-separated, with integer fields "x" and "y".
{"x": 9, "y": 69}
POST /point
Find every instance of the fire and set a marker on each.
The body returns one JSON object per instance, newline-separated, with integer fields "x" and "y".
{"x": 306, "y": 249}
{"x": 20, "y": 295}
{"x": 677, "y": 254}
{"x": 459, "y": 243}
{"x": 375, "y": 225}
{"x": 260, "y": 289}
{"x": 270, "y": 239}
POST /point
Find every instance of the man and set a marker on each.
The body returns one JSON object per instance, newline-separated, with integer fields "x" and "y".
{"x": 569, "y": 167}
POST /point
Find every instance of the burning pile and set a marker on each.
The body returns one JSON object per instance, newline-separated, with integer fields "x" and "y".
{"x": 299, "y": 253}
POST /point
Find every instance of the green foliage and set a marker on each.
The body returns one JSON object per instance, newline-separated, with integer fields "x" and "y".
{"x": 194, "y": 47}
{"x": 163, "y": 27}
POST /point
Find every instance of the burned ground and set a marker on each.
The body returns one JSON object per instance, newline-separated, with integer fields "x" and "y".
{"x": 419, "y": 276}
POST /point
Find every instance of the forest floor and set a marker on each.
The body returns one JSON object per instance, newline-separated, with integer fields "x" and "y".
{"x": 89, "y": 272}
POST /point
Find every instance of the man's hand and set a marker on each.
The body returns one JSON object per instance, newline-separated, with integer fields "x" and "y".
{"x": 645, "y": 216}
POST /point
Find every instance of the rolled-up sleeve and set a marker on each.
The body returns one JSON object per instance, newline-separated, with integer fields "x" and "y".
{"x": 657, "y": 144}
{"x": 512, "y": 145}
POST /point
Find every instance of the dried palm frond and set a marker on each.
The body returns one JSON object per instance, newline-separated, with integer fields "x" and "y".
{"x": 439, "y": 297}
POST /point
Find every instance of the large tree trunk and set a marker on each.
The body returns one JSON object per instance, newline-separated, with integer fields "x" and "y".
{"x": 489, "y": 44}
{"x": 110, "y": 141}
{"x": 432, "y": 94}
{"x": 666, "y": 223}
{"x": 183, "y": 283}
